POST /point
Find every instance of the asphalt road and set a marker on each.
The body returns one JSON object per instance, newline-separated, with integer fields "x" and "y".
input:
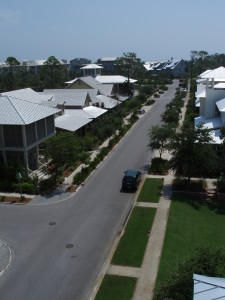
{"x": 58, "y": 250}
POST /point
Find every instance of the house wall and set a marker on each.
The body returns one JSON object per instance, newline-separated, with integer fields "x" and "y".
{"x": 212, "y": 96}
{"x": 78, "y": 84}
{"x": 222, "y": 116}
{"x": 21, "y": 142}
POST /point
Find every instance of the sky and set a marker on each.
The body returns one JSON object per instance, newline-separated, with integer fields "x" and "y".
{"x": 153, "y": 29}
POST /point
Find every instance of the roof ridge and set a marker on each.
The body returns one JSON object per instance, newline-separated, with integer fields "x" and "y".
{"x": 15, "y": 108}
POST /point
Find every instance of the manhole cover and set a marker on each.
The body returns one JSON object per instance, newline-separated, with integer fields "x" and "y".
{"x": 52, "y": 223}
{"x": 69, "y": 246}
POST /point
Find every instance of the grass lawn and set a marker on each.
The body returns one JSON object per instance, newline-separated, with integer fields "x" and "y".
{"x": 132, "y": 245}
{"x": 151, "y": 190}
{"x": 192, "y": 222}
{"x": 116, "y": 287}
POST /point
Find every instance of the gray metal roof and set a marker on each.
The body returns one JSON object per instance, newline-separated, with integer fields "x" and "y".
{"x": 28, "y": 94}
{"x": 16, "y": 111}
{"x": 72, "y": 120}
{"x": 108, "y": 102}
{"x": 109, "y": 59}
{"x": 94, "y": 112}
{"x": 71, "y": 97}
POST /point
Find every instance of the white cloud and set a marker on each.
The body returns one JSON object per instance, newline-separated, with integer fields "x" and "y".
{"x": 10, "y": 17}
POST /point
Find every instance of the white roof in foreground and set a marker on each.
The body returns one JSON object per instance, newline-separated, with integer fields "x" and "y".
{"x": 94, "y": 112}
{"x": 72, "y": 120}
{"x": 16, "y": 111}
{"x": 113, "y": 79}
{"x": 28, "y": 94}
{"x": 216, "y": 73}
{"x": 207, "y": 288}
{"x": 91, "y": 66}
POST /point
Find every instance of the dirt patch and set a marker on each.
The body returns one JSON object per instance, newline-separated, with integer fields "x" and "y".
{"x": 14, "y": 199}
{"x": 71, "y": 189}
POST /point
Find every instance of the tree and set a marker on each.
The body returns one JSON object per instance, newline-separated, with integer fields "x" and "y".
{"x": 63, "y": 149}
{"x": 52, "y": 73}
{"x": 204, "y": 261}
{"x": 129, "y": 65}
{"x": 12, "y": 63}
{"x": 159, "y": 137}
{"x": 192, "y": 151}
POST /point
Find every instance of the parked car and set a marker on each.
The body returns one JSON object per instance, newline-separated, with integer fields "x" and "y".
{"x": 141, "y": 112}
{"x": 131, "y": 179}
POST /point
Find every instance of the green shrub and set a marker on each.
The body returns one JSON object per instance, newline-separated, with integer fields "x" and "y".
{"x": 25, "y": 187}
{"x": 60, "y": 179}
{"x": 47, "y": 184}
{"x": 221, "y": 184}
{"x": 150, "y": 102}
{"x": 156, "y": 95}
{"x": 158, "y": 166}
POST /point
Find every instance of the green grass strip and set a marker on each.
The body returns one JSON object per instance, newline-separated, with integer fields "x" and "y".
{"x": 116, "y": 287}
{"x": 132, "y": 245}
{"x": 192, "y": 222}
{"x": 151, "y": 190}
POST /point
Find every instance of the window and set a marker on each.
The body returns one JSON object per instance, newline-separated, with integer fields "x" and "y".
{"x": 13, "y": 136}
{"x": 50, "y": 124}
{"x": 30, "y": 134}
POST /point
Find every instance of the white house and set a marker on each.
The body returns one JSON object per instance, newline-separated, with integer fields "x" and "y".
{"x": 210, "y": 98}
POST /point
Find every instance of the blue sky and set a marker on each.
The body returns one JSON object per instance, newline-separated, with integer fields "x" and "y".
{"x": 154, "y": 29}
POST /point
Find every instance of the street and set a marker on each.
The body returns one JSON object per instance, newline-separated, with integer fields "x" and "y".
{"x": 58, "y": 250}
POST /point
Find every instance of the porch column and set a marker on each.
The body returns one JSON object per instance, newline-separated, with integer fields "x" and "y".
{"x": 25, "y": 155}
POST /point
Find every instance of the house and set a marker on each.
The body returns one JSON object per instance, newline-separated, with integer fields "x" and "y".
{"x": 176, "y": 67}
{"x": 91, "y": 83}
{"x": 210, "y": 98}
{"x": 91, "y": 70}
{"x": 116, "y": 80}
{"x": 77, "y": 63}
{"x": 108, "y": 63}
{"x": 24, "y": 127}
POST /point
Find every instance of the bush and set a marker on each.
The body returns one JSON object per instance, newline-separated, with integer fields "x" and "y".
{"x": 180, "y": 184}
{"x": 46, "y": 185}
{"x": 25, "y": 187}
{"x": 221, "y": 184}
{"x": 2, "y": 198}
{"x": 150, "y": 102}
{"x": 156, "y": 95}
{"x": 158, "y": 166}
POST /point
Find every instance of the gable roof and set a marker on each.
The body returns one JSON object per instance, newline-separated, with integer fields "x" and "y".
{"x": 16, "y": 111}
{"x": 28, "y": 94}
{"x": 105, "y": 89}
{"x": 108, "y": 102}
{"x": 71, "y": 97}
{"x": 216, "y": 73}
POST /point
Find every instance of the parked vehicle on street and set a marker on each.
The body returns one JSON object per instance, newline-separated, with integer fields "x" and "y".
{"x": 141, "y": 112}
{"x": 131, "y": 180}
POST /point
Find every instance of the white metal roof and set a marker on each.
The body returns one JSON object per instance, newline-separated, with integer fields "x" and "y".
{"x": 208, "y": 288}
{"x": 221, "y": 104}
{"x": 200, "y": 93}
{"x": 70, "y": 97}
{"x": 108, "y": 58}
{"x": 216, "y": 73}
{"x": 204, "y": 73}
{"x": 94, "y": 112}
{"x": 108, "y": 102}
{"x": 91, "y": 66}
{"x": 16, "y": 111}
{"x": 220, "y": 85}
{"x": 113, "y": 79}
{"x": 28, "y": 94}
{"x": 212, "y": 123}
{"x": 72, "y": 120}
